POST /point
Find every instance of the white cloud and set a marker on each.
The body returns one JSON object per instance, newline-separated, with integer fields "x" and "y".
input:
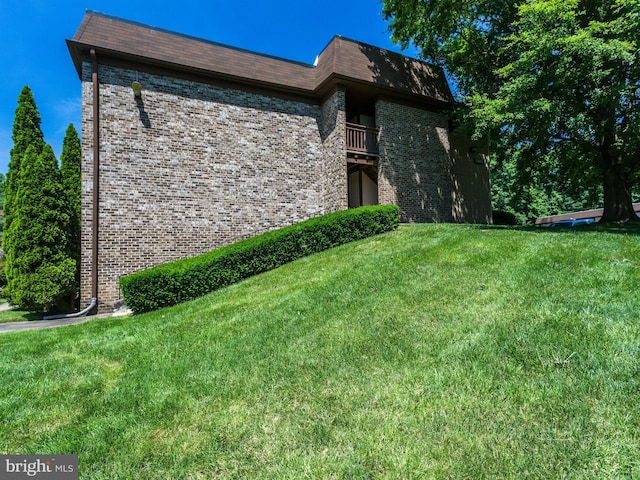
{"x": 60, "y": 114}
{"x": 69, "y": 108}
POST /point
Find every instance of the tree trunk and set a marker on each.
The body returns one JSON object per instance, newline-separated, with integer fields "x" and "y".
{"x": 618, "y": 205}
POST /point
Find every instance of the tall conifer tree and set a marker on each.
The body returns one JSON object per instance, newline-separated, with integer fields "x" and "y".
{"x": 26, "y": 132}
{"x": 70, "y": 161}
{"x": 40, "y": 270}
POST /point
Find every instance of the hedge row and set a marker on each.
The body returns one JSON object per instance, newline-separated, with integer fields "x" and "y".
{"x": 172, "y": 283}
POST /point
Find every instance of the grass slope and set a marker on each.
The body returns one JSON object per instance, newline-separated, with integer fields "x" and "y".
{"x": 435, "y": 351}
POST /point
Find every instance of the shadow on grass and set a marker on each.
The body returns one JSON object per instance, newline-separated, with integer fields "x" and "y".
{"x": 620, "y": 229}
{"x": 15, "y": 315}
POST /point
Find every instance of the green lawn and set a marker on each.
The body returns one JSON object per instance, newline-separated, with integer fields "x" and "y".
{"x": 15, "y": 314}
{"x": 435, "y": 351}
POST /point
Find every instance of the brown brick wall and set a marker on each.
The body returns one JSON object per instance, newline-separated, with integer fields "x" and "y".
{"x": 333, "y": 176}
{"x": 192, "y": 166}
{"x": 471, "y": 193}
{"x": 414, "y": 171}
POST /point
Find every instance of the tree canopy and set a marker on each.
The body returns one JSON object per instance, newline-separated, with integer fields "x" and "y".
{"x": 555, "y": 84}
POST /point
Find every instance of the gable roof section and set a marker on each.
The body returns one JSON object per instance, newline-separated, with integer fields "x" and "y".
{"x": 348, "y": 60}
{"x": 342, "y": 61}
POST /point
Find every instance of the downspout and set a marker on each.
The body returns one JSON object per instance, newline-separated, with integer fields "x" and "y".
{"x": 94, "y": 302}
{"x": 96, "y": 177}
{"x": 96, "y": 191}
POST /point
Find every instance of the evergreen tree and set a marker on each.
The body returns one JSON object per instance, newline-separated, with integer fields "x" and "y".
{"x": 40, "y": 270}
{"x": 26, "y": 132}
{"x": 70, "y": 160}
{"x": 3, "y": 186}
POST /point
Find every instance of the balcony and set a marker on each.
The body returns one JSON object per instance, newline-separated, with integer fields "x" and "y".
{"x": 362, "y": 141}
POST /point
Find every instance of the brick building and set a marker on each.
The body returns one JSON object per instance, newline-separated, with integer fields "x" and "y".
{"x": 219, "y": 144}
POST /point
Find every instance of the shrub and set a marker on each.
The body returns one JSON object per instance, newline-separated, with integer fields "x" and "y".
{"x": 186, "y": 279}
{"x": 501, "y": 217}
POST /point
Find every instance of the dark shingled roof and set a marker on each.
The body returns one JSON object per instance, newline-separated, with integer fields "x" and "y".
{"x": 342, "y": 61}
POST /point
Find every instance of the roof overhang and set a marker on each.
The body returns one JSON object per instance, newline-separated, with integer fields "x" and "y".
{"x": 356, "y": 65}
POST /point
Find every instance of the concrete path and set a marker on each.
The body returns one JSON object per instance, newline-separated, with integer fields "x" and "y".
{"x": 39, "y": 324}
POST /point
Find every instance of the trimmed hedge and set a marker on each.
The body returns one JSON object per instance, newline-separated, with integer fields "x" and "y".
{"x": 176, "y": 282}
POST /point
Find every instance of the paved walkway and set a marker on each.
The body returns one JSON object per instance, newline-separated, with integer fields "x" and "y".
{"x": 40, "y": 324}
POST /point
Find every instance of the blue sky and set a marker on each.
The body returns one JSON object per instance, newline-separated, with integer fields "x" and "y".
{"x": 33, "y": 50}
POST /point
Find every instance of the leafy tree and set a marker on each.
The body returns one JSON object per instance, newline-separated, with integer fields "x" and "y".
{"x": 464, "y": 36}
{"x": 557, "y": 81}
{"x": 26, "y": 132}
{"x": 530, "y": 193}
{"x": 70, "y": 163}
{"x": 40, "y": 270}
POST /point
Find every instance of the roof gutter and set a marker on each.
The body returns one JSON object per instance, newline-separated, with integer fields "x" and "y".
{"x": 96, "y": 196}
